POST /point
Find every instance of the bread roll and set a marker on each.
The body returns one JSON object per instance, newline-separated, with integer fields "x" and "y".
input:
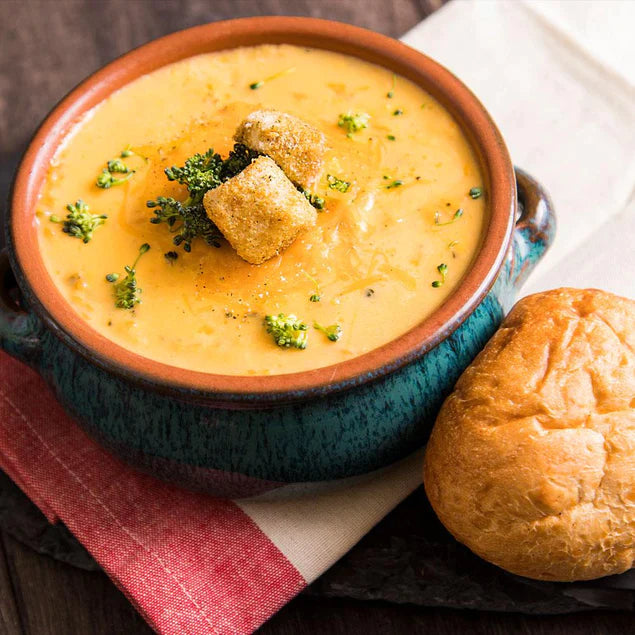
{"x": 531, "y": 462}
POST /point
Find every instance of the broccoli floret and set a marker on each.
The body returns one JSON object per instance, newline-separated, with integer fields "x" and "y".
{"x": 169, "y": 210}
{"x": 127, "y": 291}
{"x": 260, "y": 83}
{"x": 239, "y": 158}
{"x": 197, "y": 224}
{"x": 194, "y": 222}
{"x": 333, "y": 332}
{"x": 316, "y": 296}
{"x": 107, "y": 178}
{"x": 79, "y": 222}
{"x": 443, "y": 270}
{"x": 353, "y": 122}
{"x": 287, "y": 330}
{"x": 336, "y": 183}
{"x": 117, "y": 165}
{"x": 315, "y": 200}
{"x": 437, "y": 218}
{"x": 203, "y": 172}
{"x": 200, "y": 173}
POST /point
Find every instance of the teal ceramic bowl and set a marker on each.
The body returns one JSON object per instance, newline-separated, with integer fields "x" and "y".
{"x": 241, "y": 436}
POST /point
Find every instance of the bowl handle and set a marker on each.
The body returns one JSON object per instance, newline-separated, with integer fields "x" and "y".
{"x": 535, "y": 226}
{"x": 20, "y": 330}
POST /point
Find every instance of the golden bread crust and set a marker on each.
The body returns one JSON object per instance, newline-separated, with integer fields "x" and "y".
{"x": 531, "y": 462}
{"x": 259, "y": 211}
{"x": 296, "y": 146}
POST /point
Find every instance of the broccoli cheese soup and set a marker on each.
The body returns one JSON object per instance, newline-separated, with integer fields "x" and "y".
{"x": 262, "y": 210}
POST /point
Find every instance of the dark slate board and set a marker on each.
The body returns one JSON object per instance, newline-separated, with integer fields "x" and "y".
{"x": 20, "y": 518}
{"x": 407, "y": 558}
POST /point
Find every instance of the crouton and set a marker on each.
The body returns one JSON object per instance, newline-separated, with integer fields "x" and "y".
{"x": 259, "y": 211}
{"x": 297, "y": 147}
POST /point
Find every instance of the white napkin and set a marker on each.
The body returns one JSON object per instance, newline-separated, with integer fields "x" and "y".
{"x": 557, "y": 78}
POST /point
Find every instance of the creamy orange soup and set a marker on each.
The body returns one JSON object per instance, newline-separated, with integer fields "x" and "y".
{"x": 374, "y": 252}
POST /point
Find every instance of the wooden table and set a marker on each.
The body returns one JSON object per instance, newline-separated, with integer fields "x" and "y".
{"x": 48, "y": 46}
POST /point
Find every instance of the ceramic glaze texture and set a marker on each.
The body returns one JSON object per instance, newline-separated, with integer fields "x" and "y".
{"x": 238, "y": 436}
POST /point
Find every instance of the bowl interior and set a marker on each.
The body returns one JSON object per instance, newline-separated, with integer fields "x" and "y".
{"x": 43, "y": 296}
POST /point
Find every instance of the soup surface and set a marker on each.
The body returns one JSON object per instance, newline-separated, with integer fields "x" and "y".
{"x": 372, "y": 257}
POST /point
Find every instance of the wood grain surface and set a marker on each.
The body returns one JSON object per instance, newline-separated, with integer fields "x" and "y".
{"x": 48, "y": 46}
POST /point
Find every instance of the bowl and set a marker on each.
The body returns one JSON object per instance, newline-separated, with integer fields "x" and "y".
{"x": 241, "y": 436}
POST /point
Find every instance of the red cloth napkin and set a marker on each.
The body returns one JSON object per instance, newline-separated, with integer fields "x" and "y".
{"x": 189, "y": 563}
